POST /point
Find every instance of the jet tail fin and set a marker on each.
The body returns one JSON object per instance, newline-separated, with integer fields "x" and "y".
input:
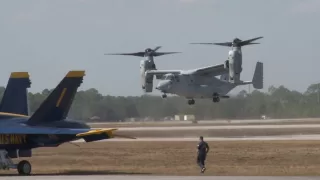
{"x": 58, "y": 103}
{"x": 15, "y": 97}
{"x": 257, "y": 80}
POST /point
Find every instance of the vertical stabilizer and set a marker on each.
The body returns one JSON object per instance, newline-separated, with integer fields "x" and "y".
{"x": 15, "y": 97}
{"x": 57, "y": 104}
{"x": 257, "y": 80}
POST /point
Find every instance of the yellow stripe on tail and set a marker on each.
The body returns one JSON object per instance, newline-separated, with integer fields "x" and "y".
{"x": 61, "y": 97}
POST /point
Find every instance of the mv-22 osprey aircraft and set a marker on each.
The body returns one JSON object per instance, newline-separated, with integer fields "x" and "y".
{"x": 200, "y": 82}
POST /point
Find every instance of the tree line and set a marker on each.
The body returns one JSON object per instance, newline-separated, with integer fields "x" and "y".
{"x": 277, "y": 102}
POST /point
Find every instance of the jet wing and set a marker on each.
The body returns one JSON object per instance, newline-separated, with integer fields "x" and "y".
{"x": 210, "y": 71}
{"x": 23, "y": 129}
{"x": 97, "y": 131}
{"x": 86, "y": 134}
{"x": 99, "y": 134}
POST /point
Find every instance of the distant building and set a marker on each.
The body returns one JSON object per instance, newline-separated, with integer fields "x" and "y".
{"x": 264, "y": 117}
{"x": 187, "y": 117}
{"x": 178, "y": 117}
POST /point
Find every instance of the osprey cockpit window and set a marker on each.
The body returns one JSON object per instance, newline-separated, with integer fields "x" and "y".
{"x": 170, "y": 77}
{"x": 164, "y": 77}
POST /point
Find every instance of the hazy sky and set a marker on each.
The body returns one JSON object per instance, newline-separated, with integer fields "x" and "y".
{"x": 49, "y": 38}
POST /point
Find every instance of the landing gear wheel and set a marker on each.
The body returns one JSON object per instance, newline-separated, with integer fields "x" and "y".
{"x": 24, "y": 167}
{"x": 164, "y": 96}
{"x": 191, "y": 101}
{"x": 216, "y": 99}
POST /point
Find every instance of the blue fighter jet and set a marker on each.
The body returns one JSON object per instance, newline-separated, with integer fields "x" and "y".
{"x": 46, "y": 127}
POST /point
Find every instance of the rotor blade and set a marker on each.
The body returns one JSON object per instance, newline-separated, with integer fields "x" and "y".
{"x": 140, "y": 54}
{"x": 163, "y": 53}
{"x": 203, "y": 43}
{"x": 229, "y": 44}
{"x": 246, "y": 42}
{"x": 158, "y": 47}
{"x": 252, "y": 43}
{"x": 220, "y": 44}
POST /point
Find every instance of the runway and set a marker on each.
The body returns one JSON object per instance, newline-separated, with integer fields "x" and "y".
{"x": 204, "y": 177}
{"x": 244, "y": 121}
{"x": 228, "y": 127}
{"x": 250, "y": 138}
{"x": 129, "y": 177}
{"x": 218, "y": 127}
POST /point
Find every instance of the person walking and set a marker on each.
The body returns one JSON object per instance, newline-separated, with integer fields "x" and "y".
{"x": 203, "y": 149}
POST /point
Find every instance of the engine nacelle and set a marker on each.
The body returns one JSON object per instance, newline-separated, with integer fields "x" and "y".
{"x": 147, "y": 79}
{"x": 148, "y": 82}
{"x": 20, "y": 153}
{"x": 235, "y": 63}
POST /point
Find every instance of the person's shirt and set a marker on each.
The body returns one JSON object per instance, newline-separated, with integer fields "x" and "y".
{"x": 203, "y": 147}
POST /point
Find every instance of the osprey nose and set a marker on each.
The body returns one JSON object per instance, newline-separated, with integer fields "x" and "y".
{"x": 160, "y": 86}
{"x": 163, "y": 85}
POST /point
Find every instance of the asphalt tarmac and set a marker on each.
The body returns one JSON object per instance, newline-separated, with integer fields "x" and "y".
{"x": 134, "y": 177}
{"x": 250, "y": 138}
{"x": 264, "y": 126}
{"x": 129, "y": 177}
{"x": 242, "y": 121}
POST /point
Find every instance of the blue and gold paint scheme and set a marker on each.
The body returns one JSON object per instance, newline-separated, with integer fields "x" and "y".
{"x": 6, "y": 139}
{"x": 15, "y": 97}
{"x": 47, "y": 126}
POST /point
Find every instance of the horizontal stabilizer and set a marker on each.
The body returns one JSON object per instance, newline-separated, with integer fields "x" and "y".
{"x": 100, "y": 134}
{"x": 15, "y": 97}
{"x": 58, "y": 103}
{"x": 98, "y": 131}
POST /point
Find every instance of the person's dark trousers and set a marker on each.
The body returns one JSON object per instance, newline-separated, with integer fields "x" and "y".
{"x": 201, "y": 160}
